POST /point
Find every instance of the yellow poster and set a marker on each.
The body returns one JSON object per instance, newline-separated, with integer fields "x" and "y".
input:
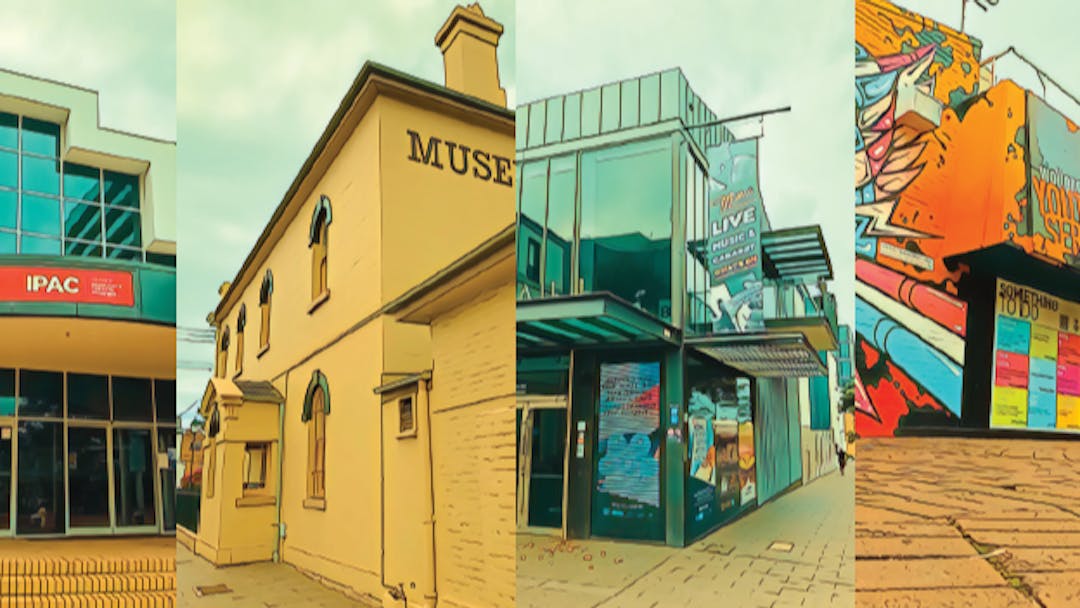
{"x": 1044, "y": 342}
{"x": 1009, "y": 407}
{"x": 1068, "y": 412}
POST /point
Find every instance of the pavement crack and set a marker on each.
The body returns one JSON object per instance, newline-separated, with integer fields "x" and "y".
{"x": 995, "y": 556}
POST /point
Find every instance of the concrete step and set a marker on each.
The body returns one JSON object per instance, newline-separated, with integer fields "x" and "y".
{"x": 51, "y": 565}
{"x": 157, "y": 599}
{"x": 83, "y": 584}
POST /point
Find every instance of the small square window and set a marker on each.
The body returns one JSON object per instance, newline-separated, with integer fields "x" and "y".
{"x": 532, "y": 263}
{"x": 406, "y": 418}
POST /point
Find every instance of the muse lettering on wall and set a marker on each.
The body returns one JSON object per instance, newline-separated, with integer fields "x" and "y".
{"x": 78, "y": 286}
{"x": 484, "y": 166}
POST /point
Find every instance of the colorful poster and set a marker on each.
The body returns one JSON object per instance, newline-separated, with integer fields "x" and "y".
{"x": 727, "y": 463}
{"x": 747, "y": 458}
{"x": 628, "y": 449}
{"x": 1055, "y": 182}
{"x": 735, "y": 218}
{"x": 1036, "y": 375}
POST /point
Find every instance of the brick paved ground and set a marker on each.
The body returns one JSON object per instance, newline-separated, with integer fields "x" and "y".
{"x": 263, "y": 585}
{"x": 732, "y": 567}
{"x": 968, "y": 522}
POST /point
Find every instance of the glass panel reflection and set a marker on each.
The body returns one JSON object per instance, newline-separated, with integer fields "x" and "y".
{"x": 40, "y": 215}
{"x": 82, "y": 221}
{"x": 167, "y": 446}
{"x": 122, "y": 227}
{"x": 88, "y": 396}
{"x": 40, "y": 137}
{"x": 82, "y": 182}
{"x": 132, "y": 399}
{"x": 9, "y": 212}
{"x": 40, "y": 245}
{"x": 165, "y": 400}
{"x": 9, "y": 130}
{"x": 626, "y": 205}
{"x": 41, "y": 393}
{"x": 5, "y": 477}
{"x": 88, "y": 477}
{"x": 80, "y": 248}
{"x": 41, "y": 174}
{"x": 121, "y": 189}
{"x": 40, "y": 491}
{"x": 133, "y": 459}
{"x": 7, "y": 392}
{"x": 562, "y": 189}
{"x": 9, "y": 169}
{"x": 7, "y": 242}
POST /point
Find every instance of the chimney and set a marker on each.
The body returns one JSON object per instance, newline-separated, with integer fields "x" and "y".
{"x": 468, "y": 41}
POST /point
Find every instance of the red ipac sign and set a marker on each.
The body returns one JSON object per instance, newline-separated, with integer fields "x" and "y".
{"x": 25, "y": 284}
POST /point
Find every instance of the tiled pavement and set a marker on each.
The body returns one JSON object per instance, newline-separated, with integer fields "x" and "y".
{"x": 261, "y": 585}
{"x": 968, "y": 522}
{"x": 734, "y": 566}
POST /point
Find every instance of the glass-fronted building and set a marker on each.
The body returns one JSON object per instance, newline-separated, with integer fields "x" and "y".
{"x": 87, "y": 319}
{"x": 662, "y": 323}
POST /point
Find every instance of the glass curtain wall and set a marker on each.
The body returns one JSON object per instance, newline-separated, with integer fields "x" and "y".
{"x": 51, "y": 207}
{"x": 86, "y": 452}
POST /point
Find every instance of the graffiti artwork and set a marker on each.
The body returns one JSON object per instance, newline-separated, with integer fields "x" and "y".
{"x": 938, "y": 142}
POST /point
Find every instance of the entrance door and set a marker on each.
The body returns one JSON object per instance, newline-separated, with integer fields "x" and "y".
{"x": 167, "y": 478}
{"x": 6, "y": 495}
{"x": 541, "y": 462}
{"x": 88, "y": 480}
{"x": 40, "y": 507}
{"x": 134, "y": 478}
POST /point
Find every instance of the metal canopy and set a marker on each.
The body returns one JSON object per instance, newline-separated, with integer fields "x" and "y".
{"x": 763, "y": 355}
{"x": 584, "y": 320}
{"x": 796, "y": 254}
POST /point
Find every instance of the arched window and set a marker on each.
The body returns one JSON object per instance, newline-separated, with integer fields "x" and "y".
{"x": 241, "y": 322}
{"x": 223, "y": 353}
{"x": 210, "y": 455}
{"x": 266, "y": 293}
{"x": 316, "y": 409}
{"x": 317, "y": 240}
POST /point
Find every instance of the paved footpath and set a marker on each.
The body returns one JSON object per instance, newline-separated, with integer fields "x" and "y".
{"x": 968, "y": 522}
{"x": 733, "y": 566}
{"x": 261, "y": 585}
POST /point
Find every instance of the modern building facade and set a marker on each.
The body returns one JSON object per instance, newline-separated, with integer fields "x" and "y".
{"x": 358, "y": 425}
{"x": 961, "y": 325}
{"x": 667, "y": 335}
{"x": 87, "y": 319}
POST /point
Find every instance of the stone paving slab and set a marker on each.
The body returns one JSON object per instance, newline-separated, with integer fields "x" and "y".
{"x": 996, "y": 597}
{"x": 1043, "y": 560}
{"x": 932, "y": 573}
{"x": 907, "y": 546}
{"x": 1056, "y": 590}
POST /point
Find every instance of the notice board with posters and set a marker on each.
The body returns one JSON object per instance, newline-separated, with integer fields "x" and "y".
{"x": 626, "y": 500}
{"x": 1036, "y": 375}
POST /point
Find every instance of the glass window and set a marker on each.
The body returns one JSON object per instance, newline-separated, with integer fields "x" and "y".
{"x": 82, "y": 249}
{"x": 7, "y": 392}
{"x": 41, "y": 393}
{"x": 9, "y": 130}
{"x": 82, "y": 182}
{"x": 88, "y": 477}
{"x": 572, "y": 116}
{"x": 536, "y": 124}
{"x": 562, "y": 190}
{"x": 543, "y": 375}
{"x": 40, "y": 137}
{"x": 123, "y": 227}
{"x": 317, "y": 446}
{"x": 533, "y": 194}
{"x": 610, "y": 105}
{"x": 165, "y": 400}
{"x": 590, "y": 112}
{"x": 9, "y": 209}
{"x": 669, "y": 94}
{"x": 123, "y": 253}
{"x": 630, "y": 103}
{"x": 40, "y": 507}
{"x": 554, "y": 120}
{"x": 82, "y": 221}
{"x": 132, "y": 399}
{"x": 9, "y": 169}
{"x": 36, "y": 245}
{"x": 650, "y": 99}
{"x": 88, "y": 396}
{"x": 121, "y": 189}
{"x": 40, "y": 215}
{"x": 255, "y": 460}
{"x": 133, "y": 482}
{"x": 7, "y": 242}
{"x": 41, "y": 174}
{"x": 626, "y": 205}
{"x": 161, "y": 259}
{"x": 6, "y": 478}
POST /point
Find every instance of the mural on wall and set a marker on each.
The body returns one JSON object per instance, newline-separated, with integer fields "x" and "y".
{"x": 937, "y": 145}
{"x": 628, "y": 450}
{"x": 735, "y": 216}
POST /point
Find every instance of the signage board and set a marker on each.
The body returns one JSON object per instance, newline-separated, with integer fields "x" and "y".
{"x": 67, "y": 285}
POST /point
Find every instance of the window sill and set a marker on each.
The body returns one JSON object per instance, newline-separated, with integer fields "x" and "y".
{"x": 317, "y": 302}
{"x": 255, "y": 501}
{"x": 262, "y": 351}
{"x": 318, "y": 504}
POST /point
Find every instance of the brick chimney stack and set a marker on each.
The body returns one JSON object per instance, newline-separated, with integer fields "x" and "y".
{"x": 469, "y": 41}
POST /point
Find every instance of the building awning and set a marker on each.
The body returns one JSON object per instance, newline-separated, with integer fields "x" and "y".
{"x": 818, "y": 332}
{"x": 588, "y": 320}
{"x": 1012, "y": 263}
{"x": 796, "y": 254}
{"x": 763, "y": 354}
{"x": 402, "y": 382}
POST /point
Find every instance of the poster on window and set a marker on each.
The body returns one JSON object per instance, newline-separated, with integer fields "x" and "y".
{"x": 627, "y": 496}
{"x": 726, "y": 432}
{"x": 734, "y": 225}
{"x": 1036, "y": 372}
{"x": 747, "y": 460}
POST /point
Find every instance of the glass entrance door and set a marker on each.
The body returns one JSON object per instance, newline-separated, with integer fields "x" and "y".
{"x": 88, "y": 479}
{"x": 6, "y": 495}
{"x": 167, "y": 477}
{"x": 542, "y": 462}
{"x": 134, "y": 474}
{"x": 40, "y": 505}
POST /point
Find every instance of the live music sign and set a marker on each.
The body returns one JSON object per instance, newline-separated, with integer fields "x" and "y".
{"x": 76, "y": 286}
